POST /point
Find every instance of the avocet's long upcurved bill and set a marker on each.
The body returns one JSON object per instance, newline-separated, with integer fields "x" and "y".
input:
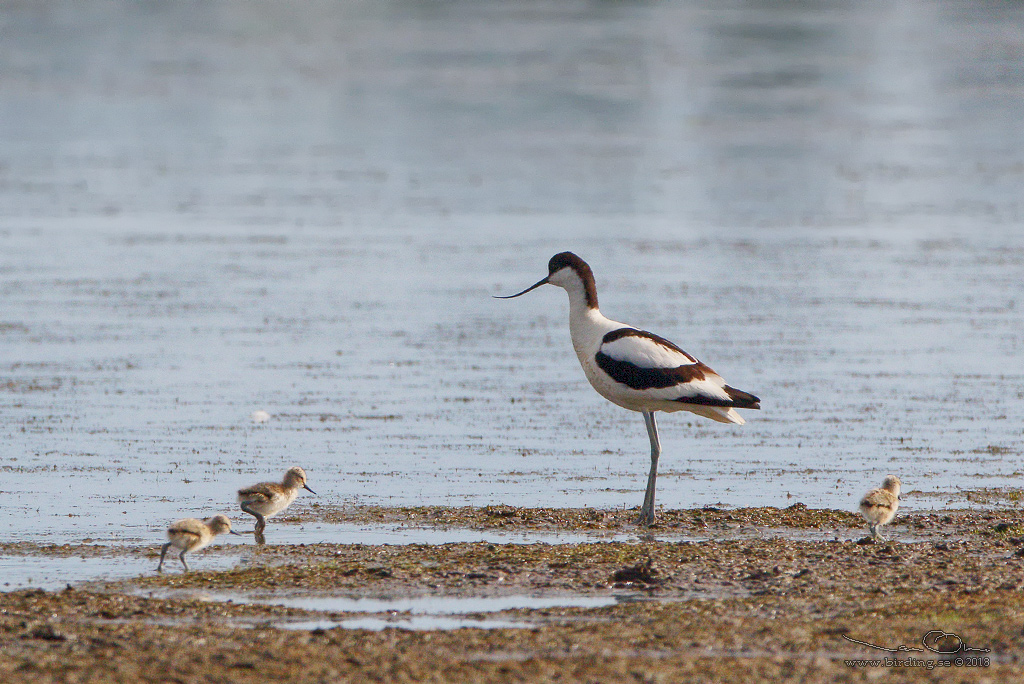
{"x": 638, "y": 370}
{"x": 543, "y": 281}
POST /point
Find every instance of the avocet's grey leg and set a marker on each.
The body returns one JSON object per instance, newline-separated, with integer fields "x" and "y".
{"x": 163, "y": 552}
{"x": 647, "y": 512}
{"x": 261, "y": 522}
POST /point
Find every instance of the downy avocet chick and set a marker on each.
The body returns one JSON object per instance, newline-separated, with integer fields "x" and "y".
{"x": 270, "y": 498}
{"x": 191, "y": 534}
{"x": 879, "y": 505}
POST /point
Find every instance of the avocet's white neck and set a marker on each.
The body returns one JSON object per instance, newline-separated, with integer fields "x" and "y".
{"x": 574, "y": 286}
{"x": 587, "y": 325}
{"x": 578, "y": 281}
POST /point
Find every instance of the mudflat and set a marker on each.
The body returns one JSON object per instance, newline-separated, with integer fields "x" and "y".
{"x": 707, "y": 595}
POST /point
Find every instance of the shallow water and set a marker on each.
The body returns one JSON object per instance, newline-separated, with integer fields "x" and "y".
{"x": 305, "y": 210}
{"x": 442, "y": 605}
{"x": 419, "y": 623}
{"x": 52, "y": 573}
{"x": 418, "y": 613}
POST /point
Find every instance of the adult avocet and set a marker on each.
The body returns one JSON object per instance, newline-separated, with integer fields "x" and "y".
{"x": 638, "y": 370}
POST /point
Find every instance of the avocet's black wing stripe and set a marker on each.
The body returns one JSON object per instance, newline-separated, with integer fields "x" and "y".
{"x": 646, "y": 362}
{"x": 745, "y": 403}
{"x": 640, "y": 378}
{"x": 741, "y": 399}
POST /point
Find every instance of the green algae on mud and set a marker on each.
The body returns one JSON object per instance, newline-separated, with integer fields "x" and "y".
{"x": 773, "y": 610}
{"x": 79, "y": 636}
{"x": 728, "y": 609}
{"x": 697, "y": 522}
{"x": 504, "y": 517}
{"x": 734, "y": 567}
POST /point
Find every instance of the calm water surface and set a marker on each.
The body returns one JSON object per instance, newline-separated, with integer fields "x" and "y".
{"x": 211, "y": 209}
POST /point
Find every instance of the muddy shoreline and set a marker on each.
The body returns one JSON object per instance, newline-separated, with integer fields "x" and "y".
{"x": 754, "y": 599}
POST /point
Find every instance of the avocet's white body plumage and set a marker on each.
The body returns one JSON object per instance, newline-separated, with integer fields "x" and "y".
{"x": 588, "y": 330}
{"x": 635, "y": 369}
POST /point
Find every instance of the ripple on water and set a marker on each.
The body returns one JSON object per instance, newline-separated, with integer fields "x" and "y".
{"x": 417, "y": 623}
{"x": 55, "y": 572}
{"x": 412, "y": 612}
{"x": 432, "y": 612}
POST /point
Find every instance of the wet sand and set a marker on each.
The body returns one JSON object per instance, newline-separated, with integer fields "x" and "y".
{"x": 757, "y": 600}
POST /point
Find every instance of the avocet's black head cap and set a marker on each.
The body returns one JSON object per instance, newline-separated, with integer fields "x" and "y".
{"x": 567, "y": 259}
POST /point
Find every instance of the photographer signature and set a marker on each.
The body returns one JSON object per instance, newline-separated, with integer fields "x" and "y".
{"x": 936, "y": 641}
